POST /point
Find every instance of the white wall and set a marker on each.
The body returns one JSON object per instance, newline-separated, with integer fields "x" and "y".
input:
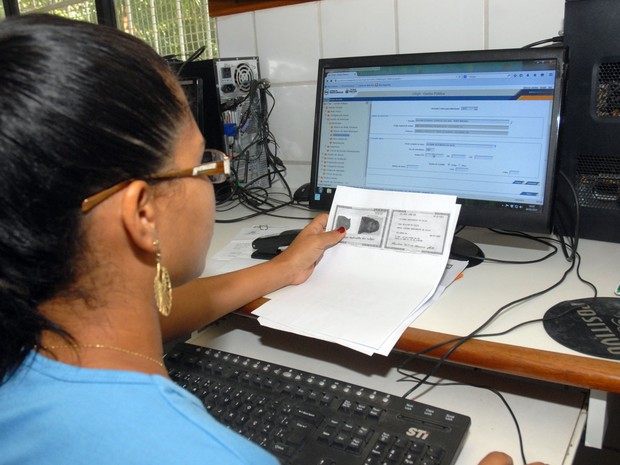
{"x": 290, "y": 40}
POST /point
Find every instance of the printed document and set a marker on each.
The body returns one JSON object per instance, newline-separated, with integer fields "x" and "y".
{"x": 367, "y": 289}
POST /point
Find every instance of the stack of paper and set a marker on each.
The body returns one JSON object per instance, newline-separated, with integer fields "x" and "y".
{"x": 370, "y": 287}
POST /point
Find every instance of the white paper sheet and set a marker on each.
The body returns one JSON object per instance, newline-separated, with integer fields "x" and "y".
{"x": 453, "y": 269}
{"x": 368, "y": 287}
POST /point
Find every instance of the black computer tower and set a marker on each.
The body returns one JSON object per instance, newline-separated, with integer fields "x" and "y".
{"x": 589, "y": 146}
{"x": 228, "y": 106}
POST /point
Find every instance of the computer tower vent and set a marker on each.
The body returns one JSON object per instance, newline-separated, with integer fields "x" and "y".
{"x": 608, "y": 90}
{"x": 244, "y": 77}
{"x": 598, "y": 182}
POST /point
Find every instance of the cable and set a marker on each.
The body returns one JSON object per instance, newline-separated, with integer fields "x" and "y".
{"x": 458, "y": 341}
{"x": 258, "y": 105}
{"x": 575, "y": 264}
{"x": 172, "y": 59}
{"x": 555, "y": 39}
{"x": 461, "y": 340}
{"x": 564, "y": 231}
{"x": 270, "y": 210}
{"x": 494, "y": 391}
{"x": 424, "y": 379}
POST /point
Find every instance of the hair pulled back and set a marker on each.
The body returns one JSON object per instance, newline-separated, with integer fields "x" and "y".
{"x": 82, "y": 107}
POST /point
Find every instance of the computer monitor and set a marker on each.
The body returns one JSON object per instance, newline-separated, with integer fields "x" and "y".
{"x": 480, "y": 125}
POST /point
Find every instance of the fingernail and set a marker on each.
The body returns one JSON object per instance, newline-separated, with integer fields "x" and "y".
{"x": 341, "y": 229}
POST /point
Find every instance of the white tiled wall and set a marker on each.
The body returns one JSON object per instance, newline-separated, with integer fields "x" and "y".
{"x": 290, "y": 40}
{"x": 439, "y": 25}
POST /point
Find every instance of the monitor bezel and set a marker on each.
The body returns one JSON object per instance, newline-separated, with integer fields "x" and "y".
{"x": 470, "y": 215}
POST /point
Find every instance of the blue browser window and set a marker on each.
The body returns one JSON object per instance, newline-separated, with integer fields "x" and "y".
{"x": 476, "y": 130}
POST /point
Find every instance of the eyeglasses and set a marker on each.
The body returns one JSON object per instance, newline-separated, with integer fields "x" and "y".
{"x": 215, "y": 164}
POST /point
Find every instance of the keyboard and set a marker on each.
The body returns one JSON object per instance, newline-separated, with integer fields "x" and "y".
{"x": 304, "y": 418}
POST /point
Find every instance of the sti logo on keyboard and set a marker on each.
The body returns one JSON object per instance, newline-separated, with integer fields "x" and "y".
{"x": 417, "y": 433}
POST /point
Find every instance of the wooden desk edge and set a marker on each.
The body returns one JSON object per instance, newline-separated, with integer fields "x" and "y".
{"x": 573, "y": 370}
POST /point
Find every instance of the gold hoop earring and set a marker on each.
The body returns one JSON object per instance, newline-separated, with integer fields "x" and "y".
{"x": 162, "y": 285}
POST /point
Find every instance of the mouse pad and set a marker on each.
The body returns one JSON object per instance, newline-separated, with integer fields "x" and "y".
{"x": 590, "y": 326}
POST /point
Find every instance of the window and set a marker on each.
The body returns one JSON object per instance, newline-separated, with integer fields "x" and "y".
{"x": 85, "y": 10}
{"x": 171, "y": 27}
{"x": 176, "y": 27}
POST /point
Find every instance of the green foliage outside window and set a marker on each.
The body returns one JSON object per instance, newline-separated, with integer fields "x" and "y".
{"x": 172, "y": 27}
{"x": 84, "y": 10}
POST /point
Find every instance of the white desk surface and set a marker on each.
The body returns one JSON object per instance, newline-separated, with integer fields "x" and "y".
{"x": 551, "y": 417}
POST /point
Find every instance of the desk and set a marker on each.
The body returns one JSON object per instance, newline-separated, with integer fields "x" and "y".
{"x": 527, "y": 352}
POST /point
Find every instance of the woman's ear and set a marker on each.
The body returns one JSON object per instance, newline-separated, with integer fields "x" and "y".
{"x": 138, "y": 215}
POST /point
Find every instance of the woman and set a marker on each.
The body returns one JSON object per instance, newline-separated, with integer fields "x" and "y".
{"x": 101, "y": 212}
{"x": 85, "y": 108}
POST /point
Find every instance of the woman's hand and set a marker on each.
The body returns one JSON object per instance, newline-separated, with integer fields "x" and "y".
{"x": 300, "y": 258}
{"x": 204, "y": 300}
{"x": 499, "y": 458}
{"x": 496, "y": 458}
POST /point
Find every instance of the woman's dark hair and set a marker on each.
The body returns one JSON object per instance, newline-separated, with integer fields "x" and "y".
{"x": 82, "y": 107}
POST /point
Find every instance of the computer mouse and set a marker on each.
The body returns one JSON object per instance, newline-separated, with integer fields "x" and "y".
{"x": 302, "y": 194}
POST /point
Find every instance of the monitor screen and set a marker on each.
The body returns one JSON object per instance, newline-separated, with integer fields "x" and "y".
{"x": 480, "y": 125}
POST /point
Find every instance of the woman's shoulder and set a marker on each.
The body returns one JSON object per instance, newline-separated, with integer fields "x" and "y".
{"x": 124, "y": 414}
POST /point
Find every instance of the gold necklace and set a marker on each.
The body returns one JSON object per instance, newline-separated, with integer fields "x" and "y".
{"x": 102, "y": 346}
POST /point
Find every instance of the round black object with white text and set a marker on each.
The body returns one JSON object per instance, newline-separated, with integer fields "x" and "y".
{"x": 590, "y": 326}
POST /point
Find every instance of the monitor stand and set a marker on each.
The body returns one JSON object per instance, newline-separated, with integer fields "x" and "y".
{"x": 463, "y": 249}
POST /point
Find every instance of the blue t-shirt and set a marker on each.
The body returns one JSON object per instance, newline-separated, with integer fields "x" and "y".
{"x": 55, "y": 413}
